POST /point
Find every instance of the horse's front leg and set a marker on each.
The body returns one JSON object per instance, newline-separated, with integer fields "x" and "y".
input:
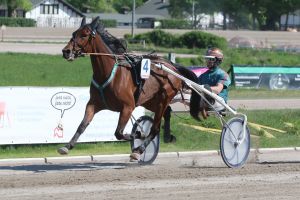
{"x": 124, "y": 117}
{"x": 90, "y": 111}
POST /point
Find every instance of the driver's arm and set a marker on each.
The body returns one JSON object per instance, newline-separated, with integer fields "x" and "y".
{"x": 218, "y": 88}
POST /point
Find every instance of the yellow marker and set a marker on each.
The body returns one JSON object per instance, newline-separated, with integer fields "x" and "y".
{"x": 259, "y": 128}
{"x": 201, "y": 128}
{"x": 267, "y": 127}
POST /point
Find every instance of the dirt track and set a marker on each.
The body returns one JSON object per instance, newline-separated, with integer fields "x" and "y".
{"x": 169, "y": 178}
{"x": 168, "y": 182}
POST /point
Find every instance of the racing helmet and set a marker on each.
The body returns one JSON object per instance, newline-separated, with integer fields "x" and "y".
{"x": 215, "y": 55}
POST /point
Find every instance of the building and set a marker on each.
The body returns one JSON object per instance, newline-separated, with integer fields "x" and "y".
{"x": 54, "y": 13}
{"x": 59, "y": 13}
{"x": 150, "y": 11}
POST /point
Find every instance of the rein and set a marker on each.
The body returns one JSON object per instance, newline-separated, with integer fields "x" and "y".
{"x": 103, "y": 54}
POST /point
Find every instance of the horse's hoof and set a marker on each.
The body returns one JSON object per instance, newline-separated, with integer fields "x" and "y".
{"x": 170, "y": 139}
{"x": 63, "y": 150}
{"x": 134, "y": 156}
{"x": 127, "y": 137}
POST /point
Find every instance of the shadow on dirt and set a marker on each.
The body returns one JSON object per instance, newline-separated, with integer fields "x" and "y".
{"x": 39, "y": 168}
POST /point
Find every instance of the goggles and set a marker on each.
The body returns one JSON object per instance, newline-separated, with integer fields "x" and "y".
{"x": 210, "y": 58}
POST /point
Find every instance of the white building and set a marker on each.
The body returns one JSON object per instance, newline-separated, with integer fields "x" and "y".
{"x": 54, "y": 13}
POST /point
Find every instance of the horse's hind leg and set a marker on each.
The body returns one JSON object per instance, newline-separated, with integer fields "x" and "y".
{"x": 168, "y": 137}
{"x": 90, "y": 111}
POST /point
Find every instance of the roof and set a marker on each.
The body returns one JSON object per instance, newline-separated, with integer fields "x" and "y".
{"x": 37, "y": 2}
{"x": 154, "y": 8}
{"x": 123, "y": 18}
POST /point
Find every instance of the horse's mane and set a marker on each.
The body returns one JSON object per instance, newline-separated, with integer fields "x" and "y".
{"x": 117, "y": 46}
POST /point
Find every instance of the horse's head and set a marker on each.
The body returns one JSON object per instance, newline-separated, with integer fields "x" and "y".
{"x": 81, "y": 41}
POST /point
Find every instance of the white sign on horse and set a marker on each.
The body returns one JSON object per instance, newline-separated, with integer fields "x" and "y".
{"x": 145, "y": 68}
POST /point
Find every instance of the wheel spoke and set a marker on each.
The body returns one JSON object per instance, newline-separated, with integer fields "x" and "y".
{"x": 229, "y": 140}
{"x": 229, "y": 159}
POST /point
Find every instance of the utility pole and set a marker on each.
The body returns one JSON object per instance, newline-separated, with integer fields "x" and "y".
{"x": 193, "y": 13}
{"x": 133, "y": 18}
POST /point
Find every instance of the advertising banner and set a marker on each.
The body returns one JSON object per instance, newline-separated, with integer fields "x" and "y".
{"x": 52, "y": 115}
{"x": 272, "y": 77}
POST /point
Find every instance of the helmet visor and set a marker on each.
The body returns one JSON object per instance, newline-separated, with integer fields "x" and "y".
{"x": 210, "y": 58}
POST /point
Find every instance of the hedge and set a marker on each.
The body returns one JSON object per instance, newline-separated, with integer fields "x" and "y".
{"x": 199, "y": 39}
{"x": 174, "y": 24}
{"x": 193, "y": 39}
{"x": 109, "y": 23}
{"x": 17, "y": 22}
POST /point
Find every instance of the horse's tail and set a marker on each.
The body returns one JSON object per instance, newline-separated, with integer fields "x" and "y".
{"x": 195, "y": 98}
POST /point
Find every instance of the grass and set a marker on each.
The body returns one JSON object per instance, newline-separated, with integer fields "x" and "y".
{"x": 19, "y": 69}
{"x": 43, "y": 70}
{"x": 231, "y": 56}
{"x": 262, "y": 94}
{"x": 188, "y": 138}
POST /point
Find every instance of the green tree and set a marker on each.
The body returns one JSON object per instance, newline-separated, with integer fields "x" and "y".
{"x": 229, "y": 9}
{"x": 191, "y": 9}
{"x": 104, "y": 6}
{"x": 267, "y": 13}
{"x": 121, "y": 5}
{"x": 93, "y": 5}
{"x": 257, "y": 10}
{"x": 12, "y": 5}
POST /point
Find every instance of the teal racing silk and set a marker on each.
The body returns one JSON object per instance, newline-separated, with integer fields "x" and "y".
{"x": 214, "y": 76}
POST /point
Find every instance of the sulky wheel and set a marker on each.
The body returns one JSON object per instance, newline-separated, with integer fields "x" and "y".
{"x": 234, "y": 149}
{"x": 141, "y": 129}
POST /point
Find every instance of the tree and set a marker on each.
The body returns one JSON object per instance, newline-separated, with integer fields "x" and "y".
{"x": 268, "y": 13}
{"x": 93, "y": 5}
{"x": 12, "y": 6}
{"x": 288, "y": 7}
{"x": 191, "y": 9}
{"x": 104, "y": 6}
{"x": 229, "y": 9}
{"x": 121, "y": 5}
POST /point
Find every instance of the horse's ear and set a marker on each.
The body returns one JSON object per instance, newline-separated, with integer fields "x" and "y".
{"x": 95, "y": 23}
{"x": 83, "y": 22}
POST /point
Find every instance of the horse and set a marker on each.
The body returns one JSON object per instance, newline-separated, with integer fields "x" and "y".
{"x": 113, "y": 84}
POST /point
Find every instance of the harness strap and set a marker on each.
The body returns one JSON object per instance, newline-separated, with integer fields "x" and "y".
{"x": 108, "y": 81}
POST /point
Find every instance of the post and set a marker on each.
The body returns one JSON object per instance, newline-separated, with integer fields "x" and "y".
{"x": 172, "y": 57}
{"x": 133, "y": 18}
{"x": 3, "y": 28}
{"x": 193, "y": 14}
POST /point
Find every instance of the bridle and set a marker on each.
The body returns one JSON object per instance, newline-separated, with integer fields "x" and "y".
{"x": 78, "y": 48}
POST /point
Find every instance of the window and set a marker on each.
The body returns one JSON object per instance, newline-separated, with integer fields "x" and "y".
{"x": 49, "y": 9}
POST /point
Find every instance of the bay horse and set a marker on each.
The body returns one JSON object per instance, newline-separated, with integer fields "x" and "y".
{"x": 113, "y": 84}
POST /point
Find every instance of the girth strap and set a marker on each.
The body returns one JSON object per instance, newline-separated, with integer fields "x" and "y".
{"x": 103, "y": 86}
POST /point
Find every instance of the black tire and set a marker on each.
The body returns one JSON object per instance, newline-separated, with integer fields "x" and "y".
{"x": 231, "y": 150}
{"x": 152, "y": 149}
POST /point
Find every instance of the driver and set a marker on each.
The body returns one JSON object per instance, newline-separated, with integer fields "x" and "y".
{"x": 215, "y": 79}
